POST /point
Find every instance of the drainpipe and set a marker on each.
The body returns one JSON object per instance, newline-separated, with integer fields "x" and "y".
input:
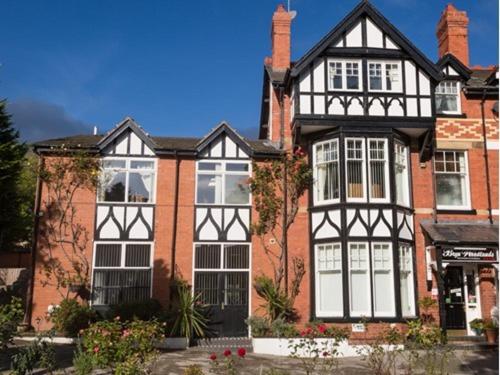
{"x": 34, "y": 244}
{"x": 174, "y": 226}
{"x": 486, "y": 163}
{"x": 434, "y": 192}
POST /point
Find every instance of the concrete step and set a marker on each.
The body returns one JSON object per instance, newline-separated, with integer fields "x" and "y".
{"x": 222, "y": 343}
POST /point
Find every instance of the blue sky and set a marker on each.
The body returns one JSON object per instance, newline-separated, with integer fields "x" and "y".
{"x": 177, "y": 67}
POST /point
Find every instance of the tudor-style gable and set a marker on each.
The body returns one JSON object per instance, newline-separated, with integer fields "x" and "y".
{"x": 364, "y": 68}
{"x": 127, "y": 138}
{"x": 223, "y": 143}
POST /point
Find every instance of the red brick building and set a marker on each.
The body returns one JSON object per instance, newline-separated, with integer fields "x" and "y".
{"x": 404, "y": 202}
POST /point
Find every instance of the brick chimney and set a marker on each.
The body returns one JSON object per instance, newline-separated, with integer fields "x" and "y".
{"x": 452, "y": 34}
{"x": 280, "y": 38}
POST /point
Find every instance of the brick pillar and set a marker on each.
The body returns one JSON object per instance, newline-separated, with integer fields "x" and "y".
{"x": 451, "y": 32}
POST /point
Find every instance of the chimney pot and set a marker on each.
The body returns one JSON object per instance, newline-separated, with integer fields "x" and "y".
{"x": 280, "y": 37}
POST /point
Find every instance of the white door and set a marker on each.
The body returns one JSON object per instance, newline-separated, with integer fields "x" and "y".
{"x": 472, "y": 298}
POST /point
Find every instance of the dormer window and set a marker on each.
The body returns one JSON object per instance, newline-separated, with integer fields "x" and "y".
{"x": 448, "y": 97}
{"x": 384, "y": 76}
{"x": 344, "y": 75}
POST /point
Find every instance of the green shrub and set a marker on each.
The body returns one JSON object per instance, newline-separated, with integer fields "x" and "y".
{"x": 259, "y": 326}
{"x": 126, "y": 347}
{"x": 142, "y": 310}
{"x": 281, "y": 328}
{"x": 70, "y": 317}
{"x": 11, "y": 315}
{"x": 193, "y": 370}
{"x": 188, "y": 315}
{"x": 277, "y": 303}
{"x": 83, "y": 362}
{"x": 39, "y": 354}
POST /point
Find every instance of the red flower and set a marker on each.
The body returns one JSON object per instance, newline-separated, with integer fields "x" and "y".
{"x": 322, "y": 328}
{"x": 96, "y": 349}
{"x": 308, "y": 330}
{"x": 213, "y": 357}
{"x": 302, "y": 333}
{"x": 325, "y": 354}
{"x": 241, "y": 352}
{"x": 227, "y": 353}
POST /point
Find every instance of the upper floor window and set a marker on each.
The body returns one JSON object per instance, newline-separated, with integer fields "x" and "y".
{"x": 222, "y": 182}
{"x": 401, "y": 166}
{"x": 344, "y": 75}
{"x": 448, "y": 97}
{"x": 127, "y": 180}
{"x": 355, "y": 175}
{"x": 378, "y": 169}
{"x": 326, "y": 171}
{"x": 452, "y": 180}
{"x": 384, "y": 76}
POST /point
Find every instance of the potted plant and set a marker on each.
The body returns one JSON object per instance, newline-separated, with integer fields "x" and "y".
{"x": 491, "y": 331}
{"x": 477, "y": 325}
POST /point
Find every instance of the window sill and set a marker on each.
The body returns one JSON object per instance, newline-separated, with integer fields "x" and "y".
{"x": 459, "y": 211}
{"x": 451, "y": 115}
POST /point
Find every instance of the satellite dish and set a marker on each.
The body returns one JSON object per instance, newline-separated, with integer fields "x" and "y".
{"x": 293, "y": 14}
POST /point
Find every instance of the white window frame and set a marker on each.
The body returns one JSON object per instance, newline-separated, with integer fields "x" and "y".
{"x": 327, "y": 313}
{"x": 122, "y": 262}
{"x": 386, "y": 171}
{"x": 389, "y": 313}
{"x": 344, "y": 75}
{"x": 399, "y": 89}
{"x": 352, "y": 312}
{"x": 458, "y": 94}
{"x": 363, "y": 169}
{"x": 467, "y": 205}
{"x": 223, "y": 172}
{"x": 406, "y": 174}
{"x": 411, "y": 271}
{"x": 127, "y": 171}
{"x": 317, "y": 201}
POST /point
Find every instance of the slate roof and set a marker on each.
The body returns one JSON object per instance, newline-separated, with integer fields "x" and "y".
{"x": 471, "y": 232}
{"x": 89, "y": 142}
{"x": 480, "y": 77}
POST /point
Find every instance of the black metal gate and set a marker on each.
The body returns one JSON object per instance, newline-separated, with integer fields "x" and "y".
{"x": 226, "y": 294}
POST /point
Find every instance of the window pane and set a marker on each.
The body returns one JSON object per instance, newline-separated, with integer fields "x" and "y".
{"x": 209, "y": 188}
{"x": 108, "y": 255}
{"x": 137, "y": 164}
{"x": 113, "y": 164}
{"x": 117, "y": 286}
{"x": 375, "y": 74}
{"x": 237, "y": 190}
{"x": 327, "y": 171}
{"x": 401, "y": 175}
{"x": 140, "y": 187}
{"x": 450, "y": 190}
{"x": 392, "y": 77}
{"x": 236, "y": 256}
{"x": 359, "y": 279}
{"x": 207, "y": 256}
{"x": 336, "y": 75}
{"x": 352, "y": 74}
{"x": 355, "y": 169}
{"x": 406, "y": 281}
{"x": 447, "y": 97}
{"x": 235, "y": 290}
{"x": 207, "y": 166}
{"x": 206, "y": 284}
{"x": 112, "y": 186}
{"x": 237, "y": 167}
{"x": 383, "y": 288}
{"x": 137, "y": 255}
{"x": 330, "y": 292}
{"x": 377, "y": 169}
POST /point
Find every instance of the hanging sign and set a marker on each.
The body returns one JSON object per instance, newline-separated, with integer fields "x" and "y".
{"x": 469, "y": 254}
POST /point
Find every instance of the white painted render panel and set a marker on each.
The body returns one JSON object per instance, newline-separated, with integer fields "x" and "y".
{"x": 425, "y": 107}
{"x": 410, "y": 78}
{"x": 425, "y": 85}
{"x": 147, "y": 213}
{"x": 395, "y": 109}
{"x": 138, "y": 231}
{"x": 354, "y": 37}
{"x": 231, "y": 148}
{"x": 335, "y": 107}
{"x": 319, "y": 105}
{"x": 209, "y": 231}
{"x": 326, "y": 231}
{"x": 335, "y": 217}
{"x": 236, "y": 232}
{"x": 411, "y": 107}
{"x": 121, "y": 145}
{"x": 316, "y": 219}
{"x": 217, "y": 215}
{"x": 452, "y": 72}
{"x": 305, "y": 104}
{"x": 389, "y": 44}
{"x": 135, "y": 144}
{"x": 200, "y": 215}
{"x": 305, "y": 82}
{"x": 131, "y": 214}
{"x": 374, "y": 36}
{"x": 376, "y": 108}
{"x": 339, "y": 44}
{"x": 102, "y": 211}
{"x": 148, "y": 151}
{"x": 355, "y": 108}
{"x": 217, "y": 149}
{"x": 319, "y": 76}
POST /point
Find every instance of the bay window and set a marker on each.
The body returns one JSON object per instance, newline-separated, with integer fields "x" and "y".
{"x": 222, "y": 183}
{"x": 401, "y": 167}
{"x": 355, "y": 171}
{"x": 329, "y": 288}
{"x": 384, "y": 76}
{"x": 344, "y": 75}
{"x": 127, "y": 180}
{"x": 359, "y": 279}
{"x": 448, "y": 97}
{"x": 326, "y": 171}
{"x": 121, "y": 273}
{"x": 383, "y": 281}
{"x": 452, "y": 180}
{"x": 378, "y": 169}
{"x": 406, "y": 281}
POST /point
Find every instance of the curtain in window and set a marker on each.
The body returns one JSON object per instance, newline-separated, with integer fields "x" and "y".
{"x": 377, "y": 169}
{"x": 355, "y": 169}
{"x": 451, "y": 178}
{"x": 327, "y": 171}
